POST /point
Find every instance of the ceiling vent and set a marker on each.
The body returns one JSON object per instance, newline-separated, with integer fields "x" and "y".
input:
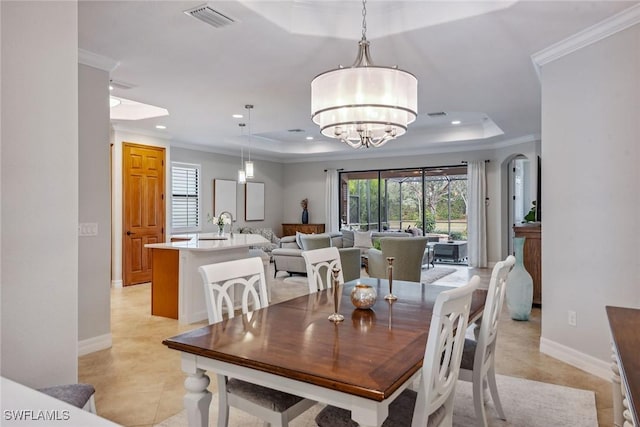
{"x": 437, "y": 114}
{"x": 210, "y": 16}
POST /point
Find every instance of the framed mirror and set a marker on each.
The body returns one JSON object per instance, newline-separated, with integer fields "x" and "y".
{"x": 224, "y": 196}
{"x": 254, "y": 201}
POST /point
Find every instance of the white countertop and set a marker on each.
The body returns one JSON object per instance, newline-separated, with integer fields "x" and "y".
{"x": 202, "y": 242}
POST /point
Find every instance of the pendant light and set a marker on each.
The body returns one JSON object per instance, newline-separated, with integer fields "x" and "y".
{"x": 242, "y": 177}
{"x": 248, "y": 165}
{"x": 364, "y": 105}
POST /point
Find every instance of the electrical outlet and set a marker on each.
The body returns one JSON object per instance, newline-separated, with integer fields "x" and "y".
{"x": 572, "y": 318}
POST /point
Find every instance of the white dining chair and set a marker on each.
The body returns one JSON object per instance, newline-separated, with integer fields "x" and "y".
{"x": 319, "y": 264}
{"x": 478, "y": 357}
{"x": 245, "y": 278}
{"x": 432, "y": 404}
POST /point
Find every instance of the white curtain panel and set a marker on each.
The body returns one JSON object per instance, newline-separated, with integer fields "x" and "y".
{"x": 331, "y": 201}
{"x": 477, "y": 214}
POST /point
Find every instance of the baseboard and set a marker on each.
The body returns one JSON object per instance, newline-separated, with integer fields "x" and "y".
{"x": 91, "y": 345}
{"x": 116, "y": 283}
{"x": 577, "y": 359}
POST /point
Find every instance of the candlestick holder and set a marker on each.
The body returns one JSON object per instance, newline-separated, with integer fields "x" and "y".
{"x": 390, "y": 296}
{"x": 336, "y": 317}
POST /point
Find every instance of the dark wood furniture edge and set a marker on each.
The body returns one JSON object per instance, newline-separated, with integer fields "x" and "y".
{"x": 624, "y": 323}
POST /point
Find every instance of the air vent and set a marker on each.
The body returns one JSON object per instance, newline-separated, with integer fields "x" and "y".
{"x": 296, "y": 130}
{"x": 210, "y": 16}
{"x": 437, "y": 114}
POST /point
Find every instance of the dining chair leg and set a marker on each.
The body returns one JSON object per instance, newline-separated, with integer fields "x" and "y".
{"x": 478, "y": 401}
{"x": 493, "y": 387}
{"x": 223, "y": 404}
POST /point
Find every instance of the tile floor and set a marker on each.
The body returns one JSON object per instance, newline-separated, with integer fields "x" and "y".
{"x": 139, "y": 383}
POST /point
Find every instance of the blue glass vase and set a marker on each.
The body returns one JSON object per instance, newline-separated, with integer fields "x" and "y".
{"x": 519, "y": 292}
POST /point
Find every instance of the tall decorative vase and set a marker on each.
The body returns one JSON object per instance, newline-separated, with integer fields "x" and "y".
{"x": 305, "y": 216}
{"x": 519, "y": 292}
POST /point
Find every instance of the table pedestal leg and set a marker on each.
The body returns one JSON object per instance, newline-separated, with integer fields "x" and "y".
{"x": 197, "y": 399}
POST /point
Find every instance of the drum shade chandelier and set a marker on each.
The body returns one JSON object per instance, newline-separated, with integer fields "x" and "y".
{"x": 364, "y": 105}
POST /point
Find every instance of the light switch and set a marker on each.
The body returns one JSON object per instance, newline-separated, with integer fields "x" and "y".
{"x": 88, "y": 229}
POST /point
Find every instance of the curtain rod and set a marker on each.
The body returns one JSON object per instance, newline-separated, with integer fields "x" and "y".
{"x": 486, "y": 161}
{"x": 339, "y": 170}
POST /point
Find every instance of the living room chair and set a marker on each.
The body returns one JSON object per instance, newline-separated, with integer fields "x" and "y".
{"x": 220, "y": 282}
{"x": 408, "y": 253}
{"x": 478, "y": 357}
{"x": 319, "y": 263}
{"x": 432, "y": 404}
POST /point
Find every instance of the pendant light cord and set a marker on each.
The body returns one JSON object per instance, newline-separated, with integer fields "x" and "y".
{"x": 364, "y": 19}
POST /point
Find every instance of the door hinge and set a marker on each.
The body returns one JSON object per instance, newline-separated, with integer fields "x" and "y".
{"x": 162, "y": 196}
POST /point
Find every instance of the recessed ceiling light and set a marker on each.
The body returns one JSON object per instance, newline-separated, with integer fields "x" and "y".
{"x": 456, "y": 122}
{"x": 237, "y": 116}
{"x": 309, "y": 138}
{"x": 161, "y": 127}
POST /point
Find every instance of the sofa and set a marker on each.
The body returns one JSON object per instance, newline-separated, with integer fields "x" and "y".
{"x": 267, "y": 233}
{"x": 351, "y": 245}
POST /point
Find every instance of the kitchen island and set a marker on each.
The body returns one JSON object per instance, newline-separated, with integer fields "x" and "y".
{"x": 176, "y": 289}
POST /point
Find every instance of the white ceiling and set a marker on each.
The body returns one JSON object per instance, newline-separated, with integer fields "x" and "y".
{"x": 472, "y": 60}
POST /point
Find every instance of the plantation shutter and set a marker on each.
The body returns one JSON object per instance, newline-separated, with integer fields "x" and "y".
{"x": 185, "y": 198}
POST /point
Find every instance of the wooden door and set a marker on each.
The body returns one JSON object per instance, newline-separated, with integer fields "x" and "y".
{"x": 143, "y": 209}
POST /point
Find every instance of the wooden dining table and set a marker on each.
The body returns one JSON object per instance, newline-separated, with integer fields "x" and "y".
{"x": 361, "y": 364}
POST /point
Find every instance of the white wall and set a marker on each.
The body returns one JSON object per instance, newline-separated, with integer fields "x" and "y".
{"x": 222, "y": 166}
{"x": 307, "y": 180}
{"x": 590, "y": 198}
{"x": 94, "y": 259}
{"x": 39, "y": 192}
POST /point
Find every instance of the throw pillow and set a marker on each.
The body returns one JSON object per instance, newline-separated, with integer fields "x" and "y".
{"x": 299, "y": 238}
{"x": 347, "y": 238}
{"x": 362, "y": 239}
{"x": 315, "y": 241}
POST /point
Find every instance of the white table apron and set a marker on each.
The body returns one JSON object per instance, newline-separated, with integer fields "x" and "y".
{"x": 366, "y": 412}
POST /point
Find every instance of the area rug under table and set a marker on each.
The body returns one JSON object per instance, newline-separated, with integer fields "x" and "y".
{"x": 526, "y": 404}
{"x": 435, "y": 273}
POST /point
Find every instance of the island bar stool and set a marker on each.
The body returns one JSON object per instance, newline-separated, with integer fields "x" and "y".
{"x": 78, "y": 395}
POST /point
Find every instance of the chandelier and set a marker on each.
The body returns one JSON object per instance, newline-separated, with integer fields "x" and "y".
{"x": 364, "y": 105}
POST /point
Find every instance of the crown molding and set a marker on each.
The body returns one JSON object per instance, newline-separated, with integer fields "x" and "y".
{"x": 586, "y": 37}
{"x": 96, "y": 61}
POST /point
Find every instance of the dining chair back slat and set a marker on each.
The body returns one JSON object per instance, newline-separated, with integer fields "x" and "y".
{"x": 223, "y": 281}
{"x": 319, "y": 265}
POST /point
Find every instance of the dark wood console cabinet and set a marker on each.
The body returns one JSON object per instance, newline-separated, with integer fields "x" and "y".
{"x": 532, "y": 255}
{"x": 290, "y": 229}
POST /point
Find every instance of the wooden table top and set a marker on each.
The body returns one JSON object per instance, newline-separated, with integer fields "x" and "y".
{"x": 370, "y": 354}
{"x": 625, "y": 330}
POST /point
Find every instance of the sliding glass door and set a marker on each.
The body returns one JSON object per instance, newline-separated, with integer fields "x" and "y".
{"x": 433, "y": 200}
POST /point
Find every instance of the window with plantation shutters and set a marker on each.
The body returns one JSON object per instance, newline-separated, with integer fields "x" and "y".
{"x": 185, "y": 197}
